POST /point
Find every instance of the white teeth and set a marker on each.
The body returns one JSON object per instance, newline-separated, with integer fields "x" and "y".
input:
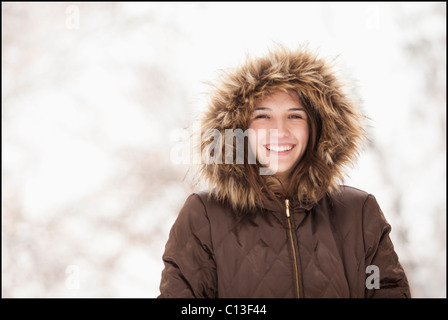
{"x": 282, "y": 148}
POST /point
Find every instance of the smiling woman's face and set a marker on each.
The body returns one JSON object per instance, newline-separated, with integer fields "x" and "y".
{"x": 284, "y": 140}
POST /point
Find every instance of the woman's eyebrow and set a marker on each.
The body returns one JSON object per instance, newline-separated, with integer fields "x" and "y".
{"x": 269, "y": 109}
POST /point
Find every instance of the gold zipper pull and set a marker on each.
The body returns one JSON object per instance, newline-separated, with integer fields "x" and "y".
{"x": 287, "y": 207}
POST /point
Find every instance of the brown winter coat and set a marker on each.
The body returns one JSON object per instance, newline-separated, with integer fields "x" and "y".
{"x": 320, "y": 251}
{"x": 317, "y": 240}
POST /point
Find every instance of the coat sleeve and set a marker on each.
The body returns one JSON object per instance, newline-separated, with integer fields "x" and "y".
{"x": 190, "y": 269}
{"x": 381, "y": 260}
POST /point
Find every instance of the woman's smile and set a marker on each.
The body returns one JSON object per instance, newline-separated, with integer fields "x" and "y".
{"x": 280, "y": 149}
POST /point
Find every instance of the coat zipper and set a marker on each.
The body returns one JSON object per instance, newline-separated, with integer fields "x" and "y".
{"x": 293, "y": 247}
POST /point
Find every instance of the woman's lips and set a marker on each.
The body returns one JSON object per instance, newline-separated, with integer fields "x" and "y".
{"x": 280, "y": 149}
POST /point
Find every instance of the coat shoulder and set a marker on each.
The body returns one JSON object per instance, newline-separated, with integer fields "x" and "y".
{"x": 354, "y": 191}
{"x": 352, "y": 206}
{"x": 348, "y": 205}
{"x": 215, "y": 210}
{"x": 201, "y": 200}
{"x": 349, "y": 196}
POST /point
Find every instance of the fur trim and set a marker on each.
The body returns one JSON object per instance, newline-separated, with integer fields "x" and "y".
{"x": 233, "y": 99}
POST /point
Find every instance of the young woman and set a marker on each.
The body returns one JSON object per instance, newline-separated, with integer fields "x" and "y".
{"x": 281, "y": 226}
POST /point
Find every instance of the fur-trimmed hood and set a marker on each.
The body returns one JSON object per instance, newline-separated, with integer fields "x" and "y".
{"x": 339, "y": 134}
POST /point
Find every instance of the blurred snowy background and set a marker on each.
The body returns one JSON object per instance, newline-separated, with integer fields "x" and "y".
{"x": 94, "y": 96}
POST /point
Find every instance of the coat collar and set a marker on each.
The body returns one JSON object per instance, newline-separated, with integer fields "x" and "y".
{"x": 279, "y": 205}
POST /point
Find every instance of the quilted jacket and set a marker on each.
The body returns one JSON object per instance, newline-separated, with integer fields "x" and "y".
{"x": 245, "y": 237}
{"x": 323, "y": 251}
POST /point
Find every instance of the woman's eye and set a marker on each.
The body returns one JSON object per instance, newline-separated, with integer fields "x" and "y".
{"x": 261, "y": 116}
{"x": 296, "y": 116}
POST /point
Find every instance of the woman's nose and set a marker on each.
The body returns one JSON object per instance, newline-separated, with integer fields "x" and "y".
{"x": 282, "y": 128}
